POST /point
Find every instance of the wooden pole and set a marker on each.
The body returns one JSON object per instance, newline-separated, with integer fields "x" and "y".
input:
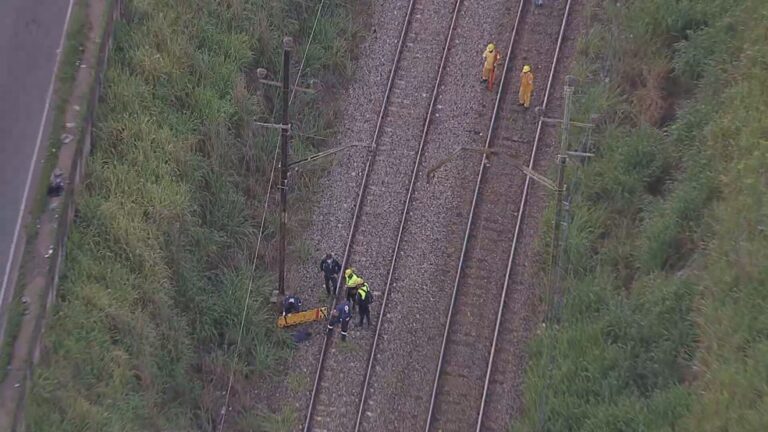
{"x": 562, "y": 157}
{"x": 287, "y": 44}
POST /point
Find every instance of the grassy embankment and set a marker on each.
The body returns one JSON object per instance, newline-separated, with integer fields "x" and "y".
{"x": 664, "y": 325}
{"x": 159, "y": 261}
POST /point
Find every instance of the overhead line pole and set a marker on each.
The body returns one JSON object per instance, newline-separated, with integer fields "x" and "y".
{"x": 562, "y": 158}
{"x": 284, "y": 137}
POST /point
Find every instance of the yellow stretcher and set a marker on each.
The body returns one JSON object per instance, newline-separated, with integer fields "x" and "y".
{"x": 302, "y": 317}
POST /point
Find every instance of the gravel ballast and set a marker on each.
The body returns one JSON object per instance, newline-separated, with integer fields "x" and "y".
{"x": 413, "y": 324}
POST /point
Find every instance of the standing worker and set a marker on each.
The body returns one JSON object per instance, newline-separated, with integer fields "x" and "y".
{"x": 364, "y": 299}
{"x": 342, "y": 314}
{"x": 526, "y": 86}
{"x": 352, "y": 281}
{"x": 330, "y": 268}
{"x": 491, "y": 59}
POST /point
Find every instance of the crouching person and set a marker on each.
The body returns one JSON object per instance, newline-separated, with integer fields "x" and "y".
{"x": 291, "y": 304}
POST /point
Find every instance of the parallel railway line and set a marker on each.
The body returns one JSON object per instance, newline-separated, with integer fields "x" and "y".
{"x": 465, "y": 374}
{"x": 466, "y": 368}
{"x": 396, "y": 111}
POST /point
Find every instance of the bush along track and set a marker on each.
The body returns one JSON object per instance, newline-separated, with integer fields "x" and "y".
{"x": 662, "y": 324}
{"x": 159, "y": 263}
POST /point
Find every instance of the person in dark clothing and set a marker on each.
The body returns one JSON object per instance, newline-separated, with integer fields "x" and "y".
{"x": 352, "y": 296}
{"x": 56, "y": 186}
{"x": 342, "y": 314}
{"x": 364, "y": 299}
{"x": 291, "y": 304}
{"x": 330, "y": 268}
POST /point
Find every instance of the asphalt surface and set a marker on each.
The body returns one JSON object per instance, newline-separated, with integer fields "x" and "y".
{"x": 30, "y": 37}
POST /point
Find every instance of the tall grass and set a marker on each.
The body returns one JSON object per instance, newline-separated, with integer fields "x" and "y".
{"x": 159, "y": 261}
{"x": 663, "y": 322}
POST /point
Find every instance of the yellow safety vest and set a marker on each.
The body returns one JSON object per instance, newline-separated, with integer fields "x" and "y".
{"x": 363, "y": 291}
{"x": 353, "y": 280}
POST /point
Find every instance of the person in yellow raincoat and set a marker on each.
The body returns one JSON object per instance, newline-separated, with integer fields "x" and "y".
{"x": 526, "y": 86}
{"x": 491, "y": 59}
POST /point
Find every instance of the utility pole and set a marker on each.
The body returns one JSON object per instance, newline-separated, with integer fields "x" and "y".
{"x": 562, "y": 158}
{"x": 284, "y": 131}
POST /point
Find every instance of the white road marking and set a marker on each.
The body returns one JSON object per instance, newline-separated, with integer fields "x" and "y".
{"x": 34, "y": 155}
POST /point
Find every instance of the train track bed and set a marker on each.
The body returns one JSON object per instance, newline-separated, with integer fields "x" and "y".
{"x": 332, "y": 214}
{"x": 412, "y": 326}
{"x": 411, "y": 335}
{"x": 504, "y": 395}
{"x": 459, "y": 389}
{"x": 372, "y": 245}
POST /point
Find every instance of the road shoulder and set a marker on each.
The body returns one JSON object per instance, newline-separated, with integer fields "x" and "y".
{"x": 77, "y": 95}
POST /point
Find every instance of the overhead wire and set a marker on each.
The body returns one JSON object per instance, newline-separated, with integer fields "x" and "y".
{"x": 261, "y": 227}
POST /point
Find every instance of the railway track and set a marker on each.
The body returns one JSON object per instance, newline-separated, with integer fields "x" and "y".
{"x": 466, "y": 374}
{"x": 396, "y": 118}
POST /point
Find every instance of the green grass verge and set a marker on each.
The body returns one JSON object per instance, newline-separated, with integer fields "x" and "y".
{"x": 663, "y": 326}
{"x": 15, "y": 314}
{"x": 283, "y": 421}
{"x": 159, "y": 260}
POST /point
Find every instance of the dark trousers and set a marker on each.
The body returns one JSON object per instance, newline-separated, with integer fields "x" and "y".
{"x": 351, "y": 294}
{"x": 330, "y": 283}
{"x": 365, "y": 313}
{"x": 344, "y": 326}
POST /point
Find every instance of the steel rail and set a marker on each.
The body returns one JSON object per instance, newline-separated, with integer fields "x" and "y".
{"x": 360, "y": 196}
{"x": 471, "y": 215}
{"x": 520, "y": 214}
{"x": 404, "y": 216}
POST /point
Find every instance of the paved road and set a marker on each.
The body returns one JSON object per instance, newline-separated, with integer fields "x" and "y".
{"x": 30, "y": 36}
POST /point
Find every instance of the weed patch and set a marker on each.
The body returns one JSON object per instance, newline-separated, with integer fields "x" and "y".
{"x": 159, "y": 266}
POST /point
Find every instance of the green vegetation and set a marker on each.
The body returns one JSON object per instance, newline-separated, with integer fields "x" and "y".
{"x": 264, "y": 421}
{"x": 15, "y": 314}
{"x": 663, "y": 325}
{"x": 159, "y": 261}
